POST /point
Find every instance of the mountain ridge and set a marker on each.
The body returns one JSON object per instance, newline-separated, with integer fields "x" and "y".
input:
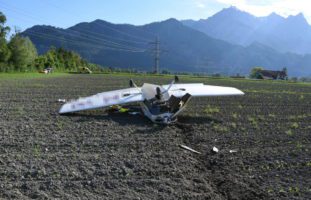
{"x": 291, "y": 34}
{"x": 186, "y": 49}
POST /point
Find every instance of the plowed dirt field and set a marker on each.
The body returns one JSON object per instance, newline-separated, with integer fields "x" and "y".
{"x": 264, "y": 142}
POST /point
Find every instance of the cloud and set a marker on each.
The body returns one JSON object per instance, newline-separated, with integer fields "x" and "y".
{"x": 265, "y": 7}
{"x": 200, "y": 4}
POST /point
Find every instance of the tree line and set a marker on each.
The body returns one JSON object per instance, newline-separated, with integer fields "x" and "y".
{"x": 19, "y": 54}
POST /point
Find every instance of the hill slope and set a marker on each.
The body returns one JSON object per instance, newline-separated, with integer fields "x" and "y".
{"x": 186, "y": 49}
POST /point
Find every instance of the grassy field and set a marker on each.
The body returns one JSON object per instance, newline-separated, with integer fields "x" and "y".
{"x": 11, "y": 76}
{"x": 263, "y": 138}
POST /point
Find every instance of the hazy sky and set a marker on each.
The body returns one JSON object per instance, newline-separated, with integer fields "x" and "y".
{"x": 65, "y": 13}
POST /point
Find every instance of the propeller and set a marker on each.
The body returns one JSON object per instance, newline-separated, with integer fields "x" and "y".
{"x": 176, "y": 79}
{"x": 131, "y": 83}
{"x": 159, "y": 93}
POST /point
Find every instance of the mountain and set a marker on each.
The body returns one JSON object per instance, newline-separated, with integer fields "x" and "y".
{"x": 183, "y": 49}
{"x": 292, "y": 34}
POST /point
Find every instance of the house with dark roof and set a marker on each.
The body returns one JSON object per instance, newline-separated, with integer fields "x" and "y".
{"x": 272, "y": 75}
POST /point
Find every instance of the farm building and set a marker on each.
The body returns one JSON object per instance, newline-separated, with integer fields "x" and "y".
{"x": 273, "y": 75}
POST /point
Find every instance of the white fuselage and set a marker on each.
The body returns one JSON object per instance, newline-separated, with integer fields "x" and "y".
{"x": 159, "y": 110}
{"x": 162, "y": 118}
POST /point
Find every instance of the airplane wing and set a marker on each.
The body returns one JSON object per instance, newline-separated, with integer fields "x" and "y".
{"x": 104, "y": 99}
{"x": 201, "y": 90}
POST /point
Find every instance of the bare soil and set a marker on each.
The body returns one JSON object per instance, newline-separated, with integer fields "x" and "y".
{"x": 264, "y": 142}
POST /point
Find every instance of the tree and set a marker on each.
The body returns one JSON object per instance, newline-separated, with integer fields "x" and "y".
{"x": 254, "y": 72}
{"x": 40, "y": 62}
{"x": 164, "y": 71}
{"x": 4, "y": 50}
{"x": 23, "y": 52}
{"x": 62, "y": 60}
{"x": 3, "y": 29}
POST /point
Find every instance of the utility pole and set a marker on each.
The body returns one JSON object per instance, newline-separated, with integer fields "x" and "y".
{"x": 156, "y": 51}
{"x": 157, "y": 56}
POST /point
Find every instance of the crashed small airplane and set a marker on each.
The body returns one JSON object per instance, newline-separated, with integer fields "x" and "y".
{"x": 161, "y": 104}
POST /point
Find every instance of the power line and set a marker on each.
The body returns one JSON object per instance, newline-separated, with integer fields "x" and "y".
{"x": 84, "y": 36}
{"x": 93, "y": 37}
{"x": 142, "y": 40}
{"x": 103, "y": 41}
{"x": 121, "y": 32}
{"x": 102, "y": 35}
{"x": 75, "y": 43}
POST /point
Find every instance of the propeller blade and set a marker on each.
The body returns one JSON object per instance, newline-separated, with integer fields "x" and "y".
{"x": 131, "y": 83}
{"x": 159, "y": 93}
